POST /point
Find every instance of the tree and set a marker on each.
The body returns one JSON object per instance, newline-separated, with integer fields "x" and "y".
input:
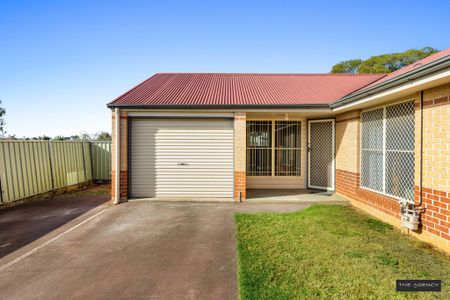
{"x": 2, "y": 120}
{"x": 85, "y": 137}
{"x": 347, "y": 66}
{"x": 81, "y": 137}
{"x": 10, "y": 137}
{"x": 384, "y": 63}
{"x": 102, "y": 136}
{"x": 99, "y": 136}
{"x": 61, "y": 138}
{"x": 41, "y": 138}
{"x": 74, "y": 137}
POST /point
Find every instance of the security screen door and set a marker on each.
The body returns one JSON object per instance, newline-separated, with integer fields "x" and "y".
{"x": 321, "y": 163}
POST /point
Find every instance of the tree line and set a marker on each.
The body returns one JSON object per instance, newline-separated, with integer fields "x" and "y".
{"x": 99, "y": 136}
{"x": 384, "y": 63}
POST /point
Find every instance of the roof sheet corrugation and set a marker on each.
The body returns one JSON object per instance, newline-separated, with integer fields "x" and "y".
{"x": 417, "y": 64}
{"x": 215, "y": 89}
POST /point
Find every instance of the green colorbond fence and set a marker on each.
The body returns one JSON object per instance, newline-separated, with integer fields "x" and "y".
{"x": 101, "y": 160}
{"x": 29, "y": 168}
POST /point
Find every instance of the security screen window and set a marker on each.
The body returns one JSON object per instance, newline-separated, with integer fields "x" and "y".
{"x": 278, "y": 157}
{"x": 387, "y": 150}
{"x": 287, "y": 148}
{"x": 259, "y": 148}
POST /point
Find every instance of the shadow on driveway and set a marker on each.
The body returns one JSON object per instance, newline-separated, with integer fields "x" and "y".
{"x": 26, "y": 223}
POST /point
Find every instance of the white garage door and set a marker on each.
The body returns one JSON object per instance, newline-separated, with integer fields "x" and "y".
{"x": 184, "y": 158}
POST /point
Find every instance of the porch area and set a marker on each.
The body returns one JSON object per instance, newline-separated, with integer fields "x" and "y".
{"x": 289, "y": 157}
{"x": 294, "y": 195}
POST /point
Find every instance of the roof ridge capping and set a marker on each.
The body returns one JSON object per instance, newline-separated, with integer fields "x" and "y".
{"x": 425, "y": 66}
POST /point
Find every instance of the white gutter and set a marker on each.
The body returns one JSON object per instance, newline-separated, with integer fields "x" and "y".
{"x": 117, "y": 157}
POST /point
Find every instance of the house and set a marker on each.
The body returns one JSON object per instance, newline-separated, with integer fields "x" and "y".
{"x": 382, "y": 141}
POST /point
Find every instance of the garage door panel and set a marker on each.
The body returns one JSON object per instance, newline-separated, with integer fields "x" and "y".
{"x": 161, "y": 167}
{"x": 183, "y": 154}
{"x": 164, "y": 135}
{"x": 182, "y": 158}
{"x": 192, "y": 169}
{"x": 176, "y": 145}
{"x": 174, "y": 175}
{"x": 186, "y": 177}
{"x": 206, "y": 145}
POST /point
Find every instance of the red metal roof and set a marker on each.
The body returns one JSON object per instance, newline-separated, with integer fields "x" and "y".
{"x": 230, "y": 89}
{"x": 415, "y": 65}
{"x": 223, "y": 89}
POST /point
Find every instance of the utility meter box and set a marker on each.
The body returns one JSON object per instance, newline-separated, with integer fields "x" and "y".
{"x": 410, "y": 219}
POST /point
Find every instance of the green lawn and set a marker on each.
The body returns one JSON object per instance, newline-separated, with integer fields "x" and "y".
{"x": 331, "y": 252}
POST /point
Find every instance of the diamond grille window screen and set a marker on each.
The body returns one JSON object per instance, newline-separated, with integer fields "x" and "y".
{"x": 387, "y": 150}
{"x": 400, "y": 127}
{"x": 372, "y": 150}
{"x": 278, "y": 157}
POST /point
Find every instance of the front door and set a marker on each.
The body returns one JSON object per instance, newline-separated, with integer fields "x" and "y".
{"x": 321, "y": 154}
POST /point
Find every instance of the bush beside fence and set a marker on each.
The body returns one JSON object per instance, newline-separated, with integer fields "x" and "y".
{"x": 29, "y": 168}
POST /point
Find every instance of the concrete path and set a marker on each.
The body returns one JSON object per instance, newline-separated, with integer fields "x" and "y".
{"x": 136, "y": 250}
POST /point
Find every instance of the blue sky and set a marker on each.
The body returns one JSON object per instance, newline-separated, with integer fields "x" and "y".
{"x": 62, "y": 61}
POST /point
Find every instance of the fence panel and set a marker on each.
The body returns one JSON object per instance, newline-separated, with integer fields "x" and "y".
{"x": 87, "y": 160}
{"x": 68, "y": 166}
{"x": 101, "y": 160}
{"x": 29, "y": 168}
{"x": 24, "y": 169}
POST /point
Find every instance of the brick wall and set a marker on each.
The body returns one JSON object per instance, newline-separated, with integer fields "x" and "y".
{"x": 347, "y": 184}
{"x": 437, "y": 211}
{"x": 240, "y": 131}
{"x": 123, "y": 185}
{"x": 435, "y": 155}
{"x": 347, "y": 141}
{"x": 436, "y": 139}
{"x": 123, "y": 157}
{"x": 435, "y": 161}
{"x": 348, "y": 166}
{"x": 240, "y": 184}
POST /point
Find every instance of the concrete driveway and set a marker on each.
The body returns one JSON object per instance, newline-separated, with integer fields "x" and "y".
{"x": 136, "y": 250}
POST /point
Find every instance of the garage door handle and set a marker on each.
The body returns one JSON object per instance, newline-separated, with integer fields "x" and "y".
{"x": 182, "y": 164}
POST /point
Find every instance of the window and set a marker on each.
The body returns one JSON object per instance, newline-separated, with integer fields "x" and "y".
{"x": 259, "y": 148}
{"x": 387, "y": 150}
{"x": 287, "y": 148}
{"x": 273, "y": 148}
